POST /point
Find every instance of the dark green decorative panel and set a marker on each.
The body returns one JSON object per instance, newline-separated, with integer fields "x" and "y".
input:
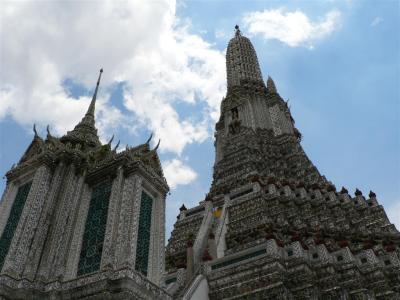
{"x": 95, "y": 228}
{"x": 12, "y": 222}
{"x": 238, "y": 259}
{"x": 143, "y": 240}
{"x": 171, "y": 280}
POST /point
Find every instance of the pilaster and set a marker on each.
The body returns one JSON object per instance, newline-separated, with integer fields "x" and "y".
{"x": 6, "y": 203}
{"x": 38, "y": 243}
{"x": 161, "y": 245}
{"x": 156, "y": 247}
{"x": 61, "y": 217}
{"x": 76, "y": 242}
{"x": 20, "y": 246}
{"x": 134, "y": 221}
{"x": 107, "y": 260}
{"x": 128, "y": 211}
{"x": 72, "y": 211}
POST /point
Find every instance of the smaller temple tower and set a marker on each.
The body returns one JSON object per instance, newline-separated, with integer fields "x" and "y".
{"x": 79, "y": 219}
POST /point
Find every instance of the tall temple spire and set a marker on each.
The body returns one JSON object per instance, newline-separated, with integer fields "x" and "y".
{"x": 92, "y": 105}
{"x": 241, "y": 61}
{"x": 85, "y": 132}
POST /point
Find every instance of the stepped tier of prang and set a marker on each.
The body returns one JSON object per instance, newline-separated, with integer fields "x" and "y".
{"x": 271, "y": 226}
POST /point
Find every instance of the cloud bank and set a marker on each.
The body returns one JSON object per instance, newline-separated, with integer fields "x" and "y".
{"x": 141, "y": 44}
{"x": 177, "y": 173}
{"x": 292, "y": 28}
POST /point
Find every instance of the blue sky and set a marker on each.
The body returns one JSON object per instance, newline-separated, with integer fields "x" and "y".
{"x": 336, "y": 61}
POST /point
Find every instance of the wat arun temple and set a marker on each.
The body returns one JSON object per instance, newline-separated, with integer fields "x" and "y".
{"x": 81, "y": 220}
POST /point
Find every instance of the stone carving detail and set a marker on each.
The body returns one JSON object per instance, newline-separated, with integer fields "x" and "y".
{"x": 50, "y": 235}
{"x": 271, "y": 226}
{"x": 124, "y": 239}
{"x": 109, "y": 248}
{"x": 289, "y": 234}
{"x": 18, "y": 252}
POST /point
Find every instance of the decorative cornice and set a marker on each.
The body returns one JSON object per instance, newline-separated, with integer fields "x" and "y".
{"x": 113, "y": 281}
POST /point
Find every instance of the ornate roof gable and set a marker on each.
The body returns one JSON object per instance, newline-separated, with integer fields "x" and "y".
{"x": 34, "y": 149}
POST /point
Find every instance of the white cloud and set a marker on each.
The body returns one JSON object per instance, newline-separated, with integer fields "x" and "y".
{"x": 140, "y": 43}
{"x": 376, "y": 21}
{"x": 177, "y": 173}
{"x": 292, "y": 28}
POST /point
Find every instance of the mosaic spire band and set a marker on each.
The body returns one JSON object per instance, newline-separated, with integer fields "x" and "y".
{"x": 241, "y": 61}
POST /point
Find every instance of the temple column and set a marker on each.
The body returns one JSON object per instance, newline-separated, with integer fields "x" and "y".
{"x": 38, "y": 243}
{"x": 20, "y": 246}
{"x": 6, "y": 203}
{"x": 156, "y": 247}
{"x": 79, "y": 229}
{"x": 110, "y": 239}
{"x": 61, "y": 220}
{"x": 127, "y": 225}
{"x": 63, "y": 252}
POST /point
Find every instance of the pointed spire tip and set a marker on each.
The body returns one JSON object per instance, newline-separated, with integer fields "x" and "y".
{"x": 149, "y": 139}
{"x": 98, "y": 80}
{"x": 158, "y": 145}
{"x": 116, "y": 147}
{"x": 110, "y": 141}
{"x": 237, "y": 30}
{"x": 91, "y": 108}
{"x": 34, "y": 130}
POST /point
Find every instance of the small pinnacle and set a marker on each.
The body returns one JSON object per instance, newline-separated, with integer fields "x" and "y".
{"x": 116, "y": 147}
{"x": 34, "y": 130}
{"x": 98, "y": 80}
{"x": 48, "y": 131}
{"x": 158, "y": 145}
{"x": 237, "y": 30}
{"x": 110, "y": 141}
{"x": 149, "y": 139}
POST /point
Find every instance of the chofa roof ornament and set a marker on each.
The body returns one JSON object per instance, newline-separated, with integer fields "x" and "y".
{"x": 149, "y": 139}
{"x": 35, "y": 132}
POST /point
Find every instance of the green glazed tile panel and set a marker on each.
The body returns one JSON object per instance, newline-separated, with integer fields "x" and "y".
{"x": 171, "y": 280}
{"x": 12, "y": 222}
{"x": 238, "y": 259}
{"x": 95, "y": 228}
{"x": 143, "y": 240}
